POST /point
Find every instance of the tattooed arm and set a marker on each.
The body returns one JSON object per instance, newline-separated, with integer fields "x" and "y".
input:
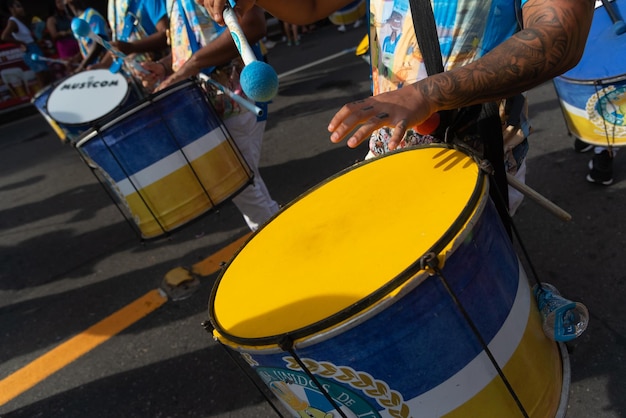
{"x": 552, "y": 42}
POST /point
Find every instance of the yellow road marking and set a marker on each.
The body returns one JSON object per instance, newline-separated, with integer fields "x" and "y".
{"x": 59, "y": 357}
{"x": 213, "y": 263}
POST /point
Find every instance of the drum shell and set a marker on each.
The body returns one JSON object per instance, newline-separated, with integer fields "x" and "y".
{"x": 39, "y": 101}
{"x": 412, "y": 352}
{"x": 169, "y": 159}
{"x": 593, "y": 94}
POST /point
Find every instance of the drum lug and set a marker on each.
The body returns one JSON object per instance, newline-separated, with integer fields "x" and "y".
{"x": 208, "y": 326}
{"x": 486, "y": 167}
{"x": 430, "y": 263}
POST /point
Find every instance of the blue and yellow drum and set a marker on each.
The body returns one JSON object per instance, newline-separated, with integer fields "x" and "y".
{"x": 333, "y": 306}
{"x": 593, "y": 94}
{"x": 168, "y": 159}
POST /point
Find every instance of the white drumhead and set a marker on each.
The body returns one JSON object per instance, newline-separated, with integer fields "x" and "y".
{"x": 87, "y": 96}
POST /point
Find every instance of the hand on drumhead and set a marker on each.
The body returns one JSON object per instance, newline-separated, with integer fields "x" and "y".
{"x": 399, "y": 109}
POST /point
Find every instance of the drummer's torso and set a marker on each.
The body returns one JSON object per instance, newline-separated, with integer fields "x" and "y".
{"x": 190, "y": 28}
{"x": 144, "y": 16}
{"x": 467, "y": 30}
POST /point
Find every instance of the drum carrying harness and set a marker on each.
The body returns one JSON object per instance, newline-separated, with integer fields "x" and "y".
{"x": 489, "y": 128}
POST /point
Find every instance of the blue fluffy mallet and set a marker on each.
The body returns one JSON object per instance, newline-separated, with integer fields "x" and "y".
{"x": 258, "y": 79}
{"x": 82, "y": 29}
{"x": 36, "y": 57}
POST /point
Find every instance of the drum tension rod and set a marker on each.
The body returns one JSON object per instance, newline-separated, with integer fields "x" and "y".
{"x": 286, "y": 344}
{"x": 429, "y": 261}
{"x": 432, "y": 263}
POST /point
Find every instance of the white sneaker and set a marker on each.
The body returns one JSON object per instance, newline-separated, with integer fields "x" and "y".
{"x": 341, "y": 28}
{"x": 357, "y": 24}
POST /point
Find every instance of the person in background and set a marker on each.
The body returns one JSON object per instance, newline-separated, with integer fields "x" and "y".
{"x": 499, "y": 51}
{"x": 18, "y": 32}
{"x": 199, "y": 45}
{"x": 92, "y": 52}
{"x": 291, "y": 32}
{"x": 601, "y": 164}
{"x": 59, "y": 27}
{"x": 139, "y": 28}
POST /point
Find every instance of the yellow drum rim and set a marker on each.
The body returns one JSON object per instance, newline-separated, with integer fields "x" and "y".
{"x": 450, "y": 159}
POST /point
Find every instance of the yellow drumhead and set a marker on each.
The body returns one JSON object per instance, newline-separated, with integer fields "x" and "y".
{"x": 342, "y": 241}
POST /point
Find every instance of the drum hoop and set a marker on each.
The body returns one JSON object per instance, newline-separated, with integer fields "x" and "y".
{"x": 286, "y": 340}
{"x": 609, "y": 80}
{"x": 146, "y": 102}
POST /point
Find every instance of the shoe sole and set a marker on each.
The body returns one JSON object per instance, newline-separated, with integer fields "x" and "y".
{"x": 602, "y": 183}
{"x": 589, "y": 147}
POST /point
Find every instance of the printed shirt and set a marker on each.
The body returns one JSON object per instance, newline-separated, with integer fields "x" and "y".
{"x": 98, "y": 25}
{"x": 204, "y": 30}
{"x": 467, "y": 30}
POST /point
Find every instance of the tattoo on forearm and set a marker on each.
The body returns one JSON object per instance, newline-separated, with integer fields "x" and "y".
{"x": 551, "y": 44}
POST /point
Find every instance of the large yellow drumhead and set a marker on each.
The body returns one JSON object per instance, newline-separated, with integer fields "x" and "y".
{"x": 342, "y": 241}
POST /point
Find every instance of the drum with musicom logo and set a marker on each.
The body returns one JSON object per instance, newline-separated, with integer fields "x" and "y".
{"x": 84, "y": 100}
{"x": 167, "y": 159}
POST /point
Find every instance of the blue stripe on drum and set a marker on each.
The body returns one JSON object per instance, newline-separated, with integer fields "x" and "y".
{"x": 150, "y": 135}
{"x": 478, "y": 373}
{"x": 422, "y": 340}
{"x": 575, "y": 95}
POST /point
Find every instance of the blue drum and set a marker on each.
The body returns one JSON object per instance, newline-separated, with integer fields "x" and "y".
{"x": 593, "y": 94}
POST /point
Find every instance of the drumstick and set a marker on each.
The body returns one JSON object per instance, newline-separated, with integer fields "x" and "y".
{"x": 243, "y": 102}
{"x": 81, "y": 28}
{"x": 36, "y": 57}
{"x": 541, "y": 200}
{"x": 258, "y": 79}
{"x": 619, "y": 26}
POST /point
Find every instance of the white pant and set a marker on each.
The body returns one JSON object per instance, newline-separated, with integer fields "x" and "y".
{"x": 254, "y": 202}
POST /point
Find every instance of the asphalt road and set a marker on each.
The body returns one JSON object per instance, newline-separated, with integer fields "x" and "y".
{"x": 69, "y": 259}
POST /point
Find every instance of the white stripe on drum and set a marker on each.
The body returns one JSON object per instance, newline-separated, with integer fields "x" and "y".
{"x": 478, "y": 373}
{"x": 171, "y": 163}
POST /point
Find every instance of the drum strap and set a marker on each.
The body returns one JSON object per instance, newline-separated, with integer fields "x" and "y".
{"x": 488, "y": 124}
{"x": 489, "y": 129}
{"x": 433, "y": 261}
